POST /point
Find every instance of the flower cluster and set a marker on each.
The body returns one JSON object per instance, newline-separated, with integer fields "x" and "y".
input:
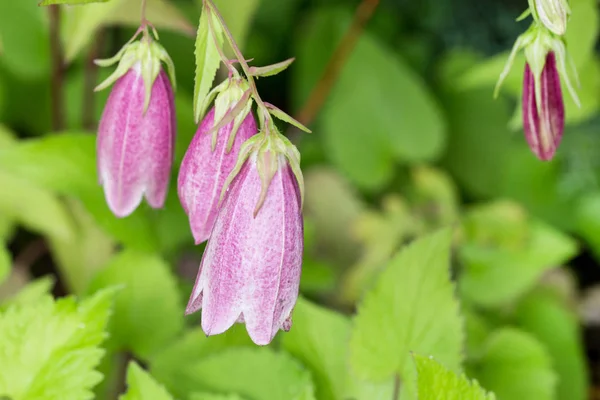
{"x": 240, "y": 184}
{"x": 546, "y": 54}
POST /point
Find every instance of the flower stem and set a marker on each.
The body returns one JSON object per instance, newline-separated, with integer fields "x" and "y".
{"x": 143, "y": 12}
{"x": 240, "y": 58}
{"x": 58, "y": 120}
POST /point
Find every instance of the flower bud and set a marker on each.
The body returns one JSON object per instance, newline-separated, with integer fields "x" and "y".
{"x": 137, "y": 131}
{"x": 543, "y": 125}
{"x": 250, "y": 271}
{"x": 552, "y": 14}
{"x": 211, "y": 157}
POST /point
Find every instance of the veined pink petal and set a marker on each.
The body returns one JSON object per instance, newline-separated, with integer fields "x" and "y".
{"x": 203, "y": 172}
{"x": 543, "y": 129}
{"x": 135, "y": 149}
{"x": 251, "y": 267}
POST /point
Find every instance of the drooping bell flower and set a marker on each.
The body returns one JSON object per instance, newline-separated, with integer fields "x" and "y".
{"x": 213, "y": 153}
{"x": 543, "y": 105}
{"x": 552, "y": 13}
{"x": 136, "y": 134}
{"x": 250, "y": 270}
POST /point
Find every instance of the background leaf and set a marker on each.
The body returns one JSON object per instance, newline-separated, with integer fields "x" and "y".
{"x": 141, "y": 385}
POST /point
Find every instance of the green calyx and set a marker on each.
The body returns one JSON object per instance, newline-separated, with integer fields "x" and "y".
{"x": 270, "y": 150}
{"x": 144, "y": 55}
{"x": 553, "y": 14}
{"x": 536, "y": 43}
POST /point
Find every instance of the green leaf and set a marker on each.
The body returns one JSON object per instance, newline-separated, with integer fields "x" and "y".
{"x": 210, "y": 35}
{"x": 588, "y": 220}
{"x": 24, "y": 33}
{"x": 53, "y": 347}
{"x": 281, "y": 115}
{"x": 81, "y": 23}
{"x": 5, "y": 262}
{"x": 437, "y": 382}
{"x": 70, "y": 2}
{"x": 141, "y": 385}
{"x": 86, "y": 250}
{"x": 208, "y": 396}
{"x": 496, "y": 274}
{"x": 515, "y": 366}
{"x": 66, "y": 164}
{"x": 258, "y": 373}
{"x": 148, "y": 312}
{"x": 544, "y": 316}
{"x": 169, "y": 364}
{"x": 404, "y": 122}
{"x": 412, "y": 308}
{"x": 271, "y": 70}
{"x": 239, "y": 17}
{"x": 319, "y": 339}
{"x": 31, "y": 293}
{"x": 33, "y": 206}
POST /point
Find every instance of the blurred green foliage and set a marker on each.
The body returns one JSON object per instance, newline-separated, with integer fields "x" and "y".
{"x": 431, "y": 229}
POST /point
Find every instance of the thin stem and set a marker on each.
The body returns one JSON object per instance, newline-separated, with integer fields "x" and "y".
{"x": 57, "y": 95}
{"x": 240, "y": 57}
{"x": 396, "y": 393}
{"x": 143, "y": 12}
{"x": 90, "y": 77}
{"x": 319, "y": 95}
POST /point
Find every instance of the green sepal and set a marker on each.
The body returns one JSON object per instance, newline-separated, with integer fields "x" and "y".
{"x": 239, "y": 119}
{"x": 232, "y": 112}
{"x": 271, "y": 70}
{"x": 267, "y": 165}
{"x": 280, "y": 114}
{"x": 293, "y": 156}
{"x": 247, "y": 147}
{"x": 126, "y": 60}
{"x": 210, "y": 97}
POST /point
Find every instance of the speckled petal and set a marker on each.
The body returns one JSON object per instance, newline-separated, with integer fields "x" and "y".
{"x": 203, "y": 172}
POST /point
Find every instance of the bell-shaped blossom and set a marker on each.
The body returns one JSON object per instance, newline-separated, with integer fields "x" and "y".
{"x": 137, "y": 131}
{"x": 543, "y": 125}
{"x": 212, "y": 156}
{"x": 543, "y": 107}
{"x": 250, "y": 271}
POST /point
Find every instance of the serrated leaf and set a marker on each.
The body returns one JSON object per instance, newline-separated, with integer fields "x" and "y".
{"x": 170, "y": 363}
{"x": 33, "y": 206}
{"x": 280, "y": 114}
{"x": 5, "y": 262}
{"x": 69, "y": 2}
{"x": 210, "y": 35}
{"x": 81, "y": 23}
{"x": 142, "y": 386}
{"x": 436, "y": 382}
{"x": 148, "y": 311}
{"x": 53, "y": 347}
{"x": 411, "y": 308}
{"x": 66, "y": 164}
{"x": 515, "y": 366}
{"x": 259, "y": 373}
{"x": 319, "y": 339}
{"x": 497, "y": 274}
{"x": 271, "y": 70}
{"x": 543, "y": 315}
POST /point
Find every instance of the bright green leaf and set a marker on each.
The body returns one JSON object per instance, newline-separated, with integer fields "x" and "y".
{"x": 53, "y": 347}
{"x": 5, "y": 262}
{"x": 81, "y": 23}
{"x": 209, "y": 396}
{"x": 70, "y": 2}
{"x": 31, "y": 293}
{"x": 515, "y": 366}
{"x": 210, "y": 35}
{"x": 436, "y": 382}
{"x": 319, "y": 339}
{"x": 66, "y": 164}
{"x": 33, "y": 206}
{"x": 544, "y": 316}
{"x": 412, "y": 308}
{"x": 497, "y": 273}
{"x": 142, "y": 386}
{"x": 148, "y": 313}
{"x": 257, "y": 373}
{"x": 169, "y": 364}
